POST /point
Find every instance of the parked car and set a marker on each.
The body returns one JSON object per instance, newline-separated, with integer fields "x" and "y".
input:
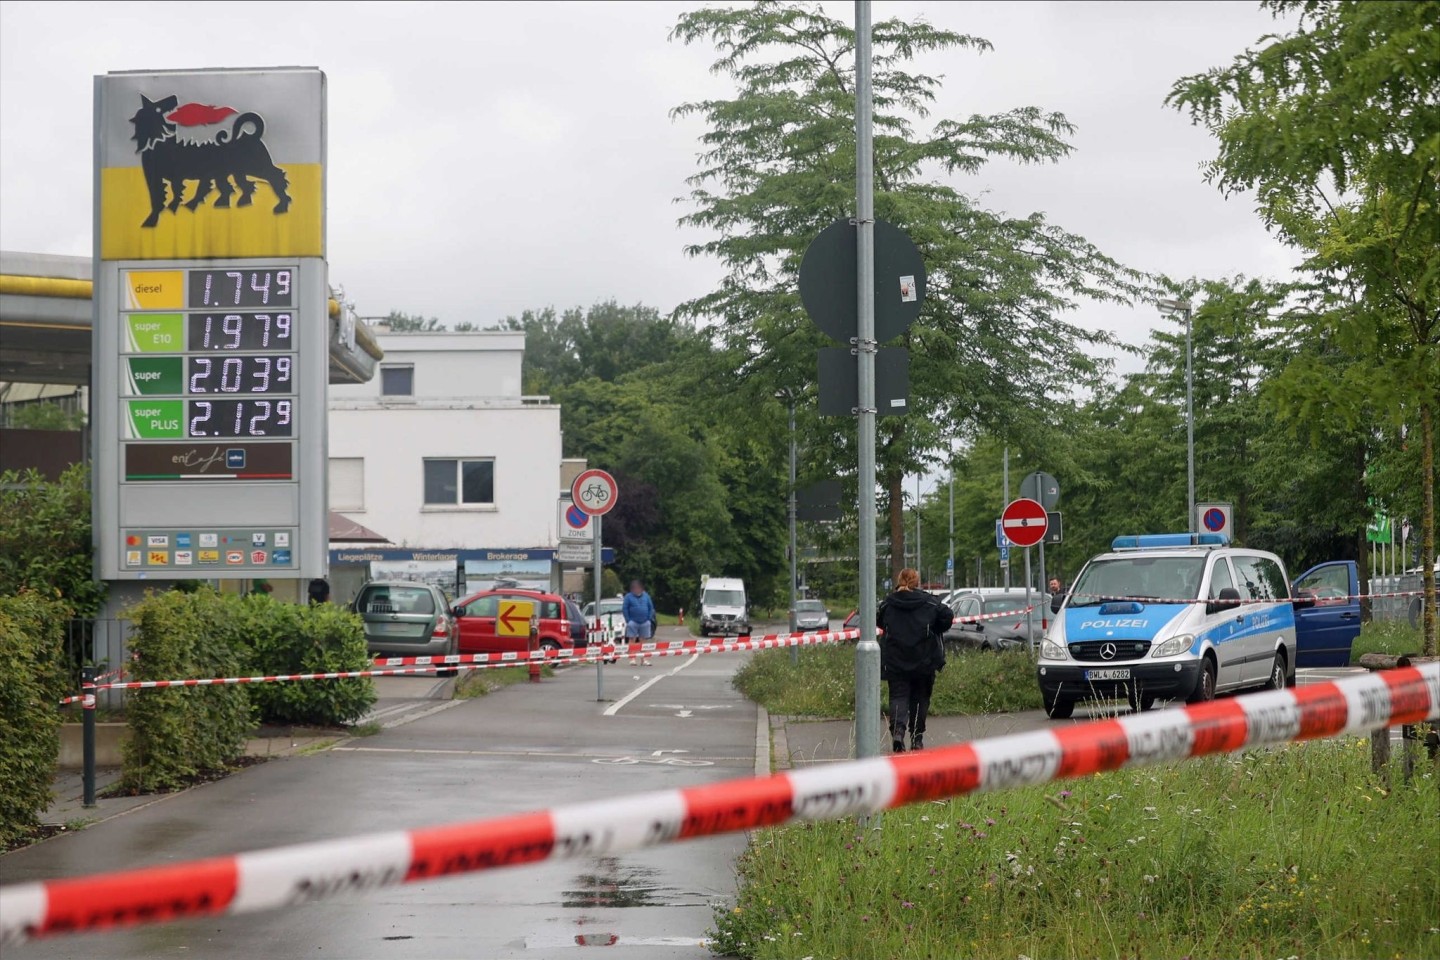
{"x": 406, "y": 618}
{"x": 978, "y": 627}
{"x": 478, "y": 615}
{"x": 811, "y": 615}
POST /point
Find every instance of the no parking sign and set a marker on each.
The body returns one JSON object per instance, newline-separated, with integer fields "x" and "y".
{"x": 1215, "y": 518}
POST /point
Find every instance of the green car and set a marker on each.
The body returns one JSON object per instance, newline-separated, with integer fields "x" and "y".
{"x": 406, "y": 618}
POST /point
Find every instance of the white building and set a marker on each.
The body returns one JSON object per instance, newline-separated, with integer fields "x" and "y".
{"x": 442, "y": 454}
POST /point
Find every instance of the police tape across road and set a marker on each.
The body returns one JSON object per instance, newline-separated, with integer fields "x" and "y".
{"x": 293, "y": 875}
{"x": 488, "y": 661}
{"x": 1097, "y": 598}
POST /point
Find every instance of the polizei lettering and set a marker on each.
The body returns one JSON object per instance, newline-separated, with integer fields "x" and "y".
{"x": 323, "y": 887}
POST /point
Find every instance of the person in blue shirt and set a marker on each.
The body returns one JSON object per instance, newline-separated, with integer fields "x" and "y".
{"x": 639, "y": 613}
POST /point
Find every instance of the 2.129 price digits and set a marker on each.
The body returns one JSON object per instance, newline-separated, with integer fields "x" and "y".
{"x": 239, "y": 418}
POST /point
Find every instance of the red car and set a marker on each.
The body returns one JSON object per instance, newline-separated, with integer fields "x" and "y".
{"x": 477, "y": 615}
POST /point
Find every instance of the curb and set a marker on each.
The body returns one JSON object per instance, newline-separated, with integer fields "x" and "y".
{"x": 762, "y": 742}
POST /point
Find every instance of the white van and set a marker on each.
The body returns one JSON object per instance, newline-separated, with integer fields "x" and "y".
{"x": 1170, "y": 616}
{"x": 723, "y": 609}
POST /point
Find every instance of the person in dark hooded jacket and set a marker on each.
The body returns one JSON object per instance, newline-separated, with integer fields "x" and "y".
{"x": 911, "y": 651}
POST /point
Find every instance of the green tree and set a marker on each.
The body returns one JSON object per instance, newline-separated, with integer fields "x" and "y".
{"x": 1336, "y": 126}
{"x": 778, "y": 166}
{"x": 46, "y": 416}
{"x": 399, "y": 322}
{"x": 45, "y": 538}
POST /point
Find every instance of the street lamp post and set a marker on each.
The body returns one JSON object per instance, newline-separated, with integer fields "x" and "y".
{"x": 1169, "y": 308}
{"x": 789, "y": 398}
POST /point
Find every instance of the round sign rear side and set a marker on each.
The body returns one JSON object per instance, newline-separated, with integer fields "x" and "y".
{"x": 594, "y": 492}
{"x": 1025, "y": 522}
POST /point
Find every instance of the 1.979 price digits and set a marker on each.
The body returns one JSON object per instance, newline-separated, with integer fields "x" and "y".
{"x": 239, "y": 418}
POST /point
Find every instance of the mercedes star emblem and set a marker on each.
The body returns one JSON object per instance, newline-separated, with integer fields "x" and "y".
{"x": 1107, "y": 651}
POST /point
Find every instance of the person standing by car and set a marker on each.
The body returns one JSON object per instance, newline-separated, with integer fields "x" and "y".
{"x": 639, "y": 613}
{"x": 911, "y": 651}
{"x": 1057, "y": 594}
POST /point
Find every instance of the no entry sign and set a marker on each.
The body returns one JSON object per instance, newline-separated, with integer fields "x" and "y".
{"x": 1024, "y": 522}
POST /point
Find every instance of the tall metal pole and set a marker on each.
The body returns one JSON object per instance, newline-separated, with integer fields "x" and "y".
{"x": 794, "y": 651}
{"x": 599, "y": 663}
{"x": 950, "y": 548}
{"x": 1005, "y": 479}
{"x": 918, "y": 568}
{"x": 1189, "y": 422}
{"x": 867, "y": 650}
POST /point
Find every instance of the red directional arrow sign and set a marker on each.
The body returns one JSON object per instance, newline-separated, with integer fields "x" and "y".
{"x": 1025, "y": 522}
{"x": 514, "y": 619}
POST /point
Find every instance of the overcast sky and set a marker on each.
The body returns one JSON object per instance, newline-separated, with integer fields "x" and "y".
{"x": 489, "y": 157}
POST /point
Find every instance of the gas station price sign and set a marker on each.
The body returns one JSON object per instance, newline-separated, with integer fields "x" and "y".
{"x": 212, "y": 336}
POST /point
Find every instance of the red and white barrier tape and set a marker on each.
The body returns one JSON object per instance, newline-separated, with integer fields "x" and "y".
{"x": 1108, "y": 598}
{"x": 486, "y": 661}
{"x": 287, "y": 876}
{"x": 1002, "y": 615}
{"x": 659, "y": 647}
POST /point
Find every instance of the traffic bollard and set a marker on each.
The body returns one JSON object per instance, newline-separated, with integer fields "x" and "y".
{"x": 534, "y": 646}
{"x": 87, "y": 690}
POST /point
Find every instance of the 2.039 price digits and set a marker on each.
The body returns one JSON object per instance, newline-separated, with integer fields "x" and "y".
{"x": 240, "y": 418}
{"x": 240, "y": 374}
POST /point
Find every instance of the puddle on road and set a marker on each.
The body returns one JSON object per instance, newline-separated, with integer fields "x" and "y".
{"x": 613, "y": 884}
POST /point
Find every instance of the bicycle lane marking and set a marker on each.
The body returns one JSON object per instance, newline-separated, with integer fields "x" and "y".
{"x": 615, "y": 707}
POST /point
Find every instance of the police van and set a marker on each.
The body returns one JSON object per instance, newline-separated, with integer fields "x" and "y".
{"x": 1169, "y": 616}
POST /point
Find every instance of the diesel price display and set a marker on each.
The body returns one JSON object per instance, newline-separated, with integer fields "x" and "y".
{"x": 222, "y": 289}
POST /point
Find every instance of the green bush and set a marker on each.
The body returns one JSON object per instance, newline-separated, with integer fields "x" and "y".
{"x": 178, "y": 733}
{"x": 45, "y": 538}
{"x": 283, "y": 638}
{"x": 32, "y": 679}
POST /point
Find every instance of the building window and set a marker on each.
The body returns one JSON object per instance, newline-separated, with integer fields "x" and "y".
{"x": 463, "y": 482}
{"x": 397, "y": 380}
{"x": 347, "y": 483}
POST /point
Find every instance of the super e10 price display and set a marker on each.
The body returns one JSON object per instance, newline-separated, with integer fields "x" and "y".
{"x": 239, "y": 331}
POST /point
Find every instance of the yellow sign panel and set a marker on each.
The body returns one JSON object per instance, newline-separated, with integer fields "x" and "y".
{"x": 159, "y": 558}
{"x": 155, "y": 290}
{"x": 514, "y": 619}
{"x": 195, "y": 225}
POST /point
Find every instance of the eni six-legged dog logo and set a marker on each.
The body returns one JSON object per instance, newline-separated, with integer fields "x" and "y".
{"x": 234, "y": 159}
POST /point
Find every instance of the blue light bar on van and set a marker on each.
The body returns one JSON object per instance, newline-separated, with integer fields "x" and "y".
{"x": 1152, "y": 541}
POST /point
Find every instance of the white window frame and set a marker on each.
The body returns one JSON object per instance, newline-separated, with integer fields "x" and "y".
{"x": 384, "y": 367}
{"x": 344, "y": 506}
{"x": 458, "y": 504}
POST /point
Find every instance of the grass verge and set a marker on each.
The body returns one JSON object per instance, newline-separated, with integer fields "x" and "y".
{"x": 1388, "y": 636}
{"x": 1297, "y": 851}
{"x": 822, "y": 684}
{"x": 478, "y": 683}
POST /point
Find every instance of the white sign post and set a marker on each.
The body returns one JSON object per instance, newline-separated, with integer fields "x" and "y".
{"x": 594, "y": 492}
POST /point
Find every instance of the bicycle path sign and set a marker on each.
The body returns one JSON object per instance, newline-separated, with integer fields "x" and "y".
{"x": 594, "y": 492}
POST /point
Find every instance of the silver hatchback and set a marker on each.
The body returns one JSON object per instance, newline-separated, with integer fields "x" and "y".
{"x": 811, "y": 615}
{"x": 406, "y": 618}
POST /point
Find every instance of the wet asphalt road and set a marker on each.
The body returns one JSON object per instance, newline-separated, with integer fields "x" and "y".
{"x": 522, "y": 748}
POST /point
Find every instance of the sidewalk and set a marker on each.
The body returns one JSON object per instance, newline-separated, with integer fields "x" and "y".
{"x": 801, "y": 742}
{"x": 69, "y": 785}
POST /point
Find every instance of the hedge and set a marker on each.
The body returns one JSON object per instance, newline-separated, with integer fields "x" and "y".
{"x": 283, "y": 638}
{"x": 177, "y": 733}
{"x": 32, "y": 680}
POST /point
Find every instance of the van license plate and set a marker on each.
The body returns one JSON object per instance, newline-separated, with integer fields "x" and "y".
{"x": 1115, "y": 674}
